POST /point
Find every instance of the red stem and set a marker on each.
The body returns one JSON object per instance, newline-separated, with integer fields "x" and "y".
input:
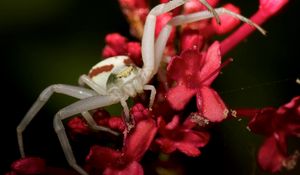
{"x": 241, "y": 33}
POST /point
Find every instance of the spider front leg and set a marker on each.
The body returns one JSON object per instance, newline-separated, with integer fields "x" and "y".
{"x": 87, "y": 104}
{"x": 183, "y": 19}
{"x": 148, "y": 40}
{"x": 84, "y": 79}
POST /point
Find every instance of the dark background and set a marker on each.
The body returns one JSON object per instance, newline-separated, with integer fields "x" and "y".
{"x": 55, "y": 41}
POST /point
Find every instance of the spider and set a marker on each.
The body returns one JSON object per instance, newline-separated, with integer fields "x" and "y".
{"x": 115, "y": 79}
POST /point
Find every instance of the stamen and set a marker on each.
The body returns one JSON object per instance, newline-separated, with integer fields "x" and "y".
{"x": 217, "y": 70}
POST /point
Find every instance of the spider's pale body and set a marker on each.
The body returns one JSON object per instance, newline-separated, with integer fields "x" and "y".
{"x": 115, "y": 79}
{"x": 117, "y": 75}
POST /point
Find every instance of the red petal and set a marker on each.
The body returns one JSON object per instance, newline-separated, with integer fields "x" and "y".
{"x": 198, "y": 139}
{"x": 108, "y": 52}
{"x": 116, "y": 45}
{"x": 134, "y": 52}
{"x": 134, "y": 4}
{"x": 140, "y": 112}
{"x": 133, "y": 169}
{"x": 228, "y": 22}
{"x": 78, "y": 126}
{"x": 289, "y": 117}
{"x": 183, "y": 68}
{"x": 161, "y": 21}
{"x": 179, "y": 96}
{"x": 173, "y": 124}
{"x": 138, "y": 142}
{"x": 102, "y": 157}
{"x": 188, "y": 149}
{"x": 166, "y": 145}
{"x": 269, "y": 156}
{"x": 191, "y": 39}
{"x": 261, "y": 119}
{"x": 210, "y": 105}
{"x": 29, "y": 165}
{"x": 270, "y": 7}
{"x": 212, "y": 62}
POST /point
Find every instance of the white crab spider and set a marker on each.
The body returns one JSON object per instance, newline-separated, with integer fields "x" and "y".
{"x": 116, "y": 79}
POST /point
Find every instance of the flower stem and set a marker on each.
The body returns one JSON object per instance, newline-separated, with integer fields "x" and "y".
{"x": 241, "y": 33}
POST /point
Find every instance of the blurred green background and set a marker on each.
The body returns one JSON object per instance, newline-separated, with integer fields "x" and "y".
{"x": 55, "y": 41}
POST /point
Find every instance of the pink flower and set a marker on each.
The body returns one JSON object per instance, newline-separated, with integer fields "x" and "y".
{"x": 194, "y": 72}
{"x": 126, "y": 160}
{"x": 276, "y": 125}
{"x": 175, "y": 136}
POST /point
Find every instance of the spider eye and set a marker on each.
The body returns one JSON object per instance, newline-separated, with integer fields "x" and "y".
{"x": 121, "y": 77}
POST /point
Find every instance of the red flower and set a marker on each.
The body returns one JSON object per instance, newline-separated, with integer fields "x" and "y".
{"x": 117, "y": 44}
{"x": 276, "y": 125}
{"x": 194, "y": 72}
{"x": 180, "y": 137}
{"x": 125, "y": 161}
{"x": 78, "y": 125}
{"x": 34, "y": 166}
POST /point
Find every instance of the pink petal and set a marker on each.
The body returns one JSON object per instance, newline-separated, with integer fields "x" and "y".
{"x": 133, "y": 169}
{"x": 138, "y": 142}
{"x": 29, "y": 165}
{"x": 228, "y": 23}
{"x": 269, "y": 156}
{"x": 179, "y": 96}
{"x": 212, "y": 62}
{"x": 188, "y": 149}
{"x": 210, "y": 105}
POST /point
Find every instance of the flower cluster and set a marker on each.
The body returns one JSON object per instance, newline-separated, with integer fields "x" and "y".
{"x": 185, "y": 104}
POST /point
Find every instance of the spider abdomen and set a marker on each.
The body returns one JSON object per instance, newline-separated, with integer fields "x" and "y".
{"x": 117, "y": 73}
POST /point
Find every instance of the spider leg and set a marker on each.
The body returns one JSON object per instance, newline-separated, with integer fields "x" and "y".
{"x": 93, "y": 125}
{"x": 74, "y": 91}
{"x": 183, "y": 19}
{"x": 86, "y": 104}
{"x": 84, "y": 79}
{"x": 152, "y": 95}
{"x": 148, "y": 48}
